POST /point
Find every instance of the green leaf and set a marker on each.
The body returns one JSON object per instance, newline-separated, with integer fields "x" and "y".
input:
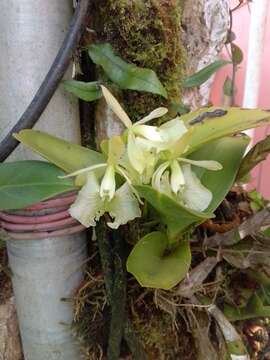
{"x": 24, "y": 183}
{"x": 123, "y": 74}
{"x": 87, "y": 91}
{"x": 204, "y": 74}
{"x": 228, "y": 87}
{"x": 176, "y": 217}
{"x": 228, "y": 151}
{"x": 257, "y": 202}
{"x": 258, "y": 153}
{"x": 258, "y": 305}
{"x": 179, "y": 108}
{"x": 153, "y": 266}
{"x": 69, "y": 157}
{"x": 237, "y": 54}
{"x": 234, "y": 121}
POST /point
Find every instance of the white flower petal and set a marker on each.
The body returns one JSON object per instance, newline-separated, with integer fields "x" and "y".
{"x": 88, "y": 207}
{"x": 150, "y": 158}
{"x": 123, "y": 207}
{"x": 177, "y": 176}
{"x": 135, "y": 154}
{"x": 194, "y": 194}
{"x": 116, "y": 107}
{"x": 116, "y": 148}
{"x": 153, "y": 115}
{"x": 172, "y": 130}
{"x": 83, "y": 170}
{"x": 207, "y": 164}
{"x": 165, "y": 186}
{"x": 156, "y": 178}
{"x": 147, "y": 131}
{"x": 107, "y": 187}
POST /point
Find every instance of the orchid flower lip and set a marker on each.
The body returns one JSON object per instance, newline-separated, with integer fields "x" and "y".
{"x": 177, "y": 176}
{"x": 108, "y": 185}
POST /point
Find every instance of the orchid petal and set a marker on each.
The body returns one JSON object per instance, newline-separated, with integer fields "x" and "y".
{"x": 135, "y": 154}
{"x": 177, "y": 176}
{"x": 194, "y": 195}
{"x": 84, "y": 170}
{"x": 156, "y": 178}
{"x": 88, "y": 207}
{"x": 147, "y": 131}
{"x": 172, "y": 130}
{"x": 123, "y": 208}
{"x": 116, "y": 107}
{"x": 126, "y": 177}
{"x": 107, "y": 187}
{"x": 150, "y": 158}
{"x": 207, "y": 164}
{"x": 181, "y": 145}
{"x": 116, "y": 148}
{"x": 157, "y": 113}
{"x": 165, "y": 186}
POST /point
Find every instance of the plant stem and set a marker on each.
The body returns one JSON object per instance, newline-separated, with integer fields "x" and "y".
{"x": 106, "y": 257}
{"x": 115, "y": 283}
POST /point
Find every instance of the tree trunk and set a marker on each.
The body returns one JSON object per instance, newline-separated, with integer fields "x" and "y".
{"x": 205, "y": 24}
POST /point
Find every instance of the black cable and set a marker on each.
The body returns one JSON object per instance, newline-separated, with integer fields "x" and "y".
{"x": 51, "y": 81}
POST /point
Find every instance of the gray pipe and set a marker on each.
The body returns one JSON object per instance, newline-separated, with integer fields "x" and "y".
{"x": 44, "y": 271}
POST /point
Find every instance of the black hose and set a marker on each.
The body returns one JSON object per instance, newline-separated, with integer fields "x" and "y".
{"x": 51, "y": 81}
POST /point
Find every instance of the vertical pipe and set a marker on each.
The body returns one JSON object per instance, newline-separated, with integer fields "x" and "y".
{"x": 259, "y": 10}
{"x": 44, "y": 271}
{"x": 255, "y": 52}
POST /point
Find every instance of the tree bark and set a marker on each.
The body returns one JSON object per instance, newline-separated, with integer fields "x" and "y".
{"x": 10, "y": 344}
{"x": 205, "y": 26}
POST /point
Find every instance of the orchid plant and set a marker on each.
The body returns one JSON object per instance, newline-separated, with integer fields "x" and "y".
{"x": 183, "y": 169}
{"x": 145, "y": 155}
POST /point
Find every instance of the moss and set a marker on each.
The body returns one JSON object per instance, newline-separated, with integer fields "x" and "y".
{"x": 161, "y": 338}
{"x": 147, "y": 33}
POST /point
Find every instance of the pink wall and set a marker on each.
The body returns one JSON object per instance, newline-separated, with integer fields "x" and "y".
{"x": 241, "y": 20}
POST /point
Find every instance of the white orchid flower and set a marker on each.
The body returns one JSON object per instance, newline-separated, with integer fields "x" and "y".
{"x": 184, "y": 184}
{"x": 94, "y": 200}
{"x": 136, "y": 152}
{"x": 116, "y": 149}
{"x": 90, "y": 205}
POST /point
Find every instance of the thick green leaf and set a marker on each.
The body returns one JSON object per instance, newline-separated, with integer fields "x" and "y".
{"x": 237, "y": 54}
{"x": 154, "y": 267}
{"x": 123, "y": 74}
{"x": 228, "y": 151}
{"x": 87, "y": 91}
{"x": 69, "y": 157}
{"x": 176, "y": 217}
{"x": 204, "y": 74}
{"x": 258, "y": 153}
{"x": 24, "y": 183}
{"x": 211, "y": 128}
